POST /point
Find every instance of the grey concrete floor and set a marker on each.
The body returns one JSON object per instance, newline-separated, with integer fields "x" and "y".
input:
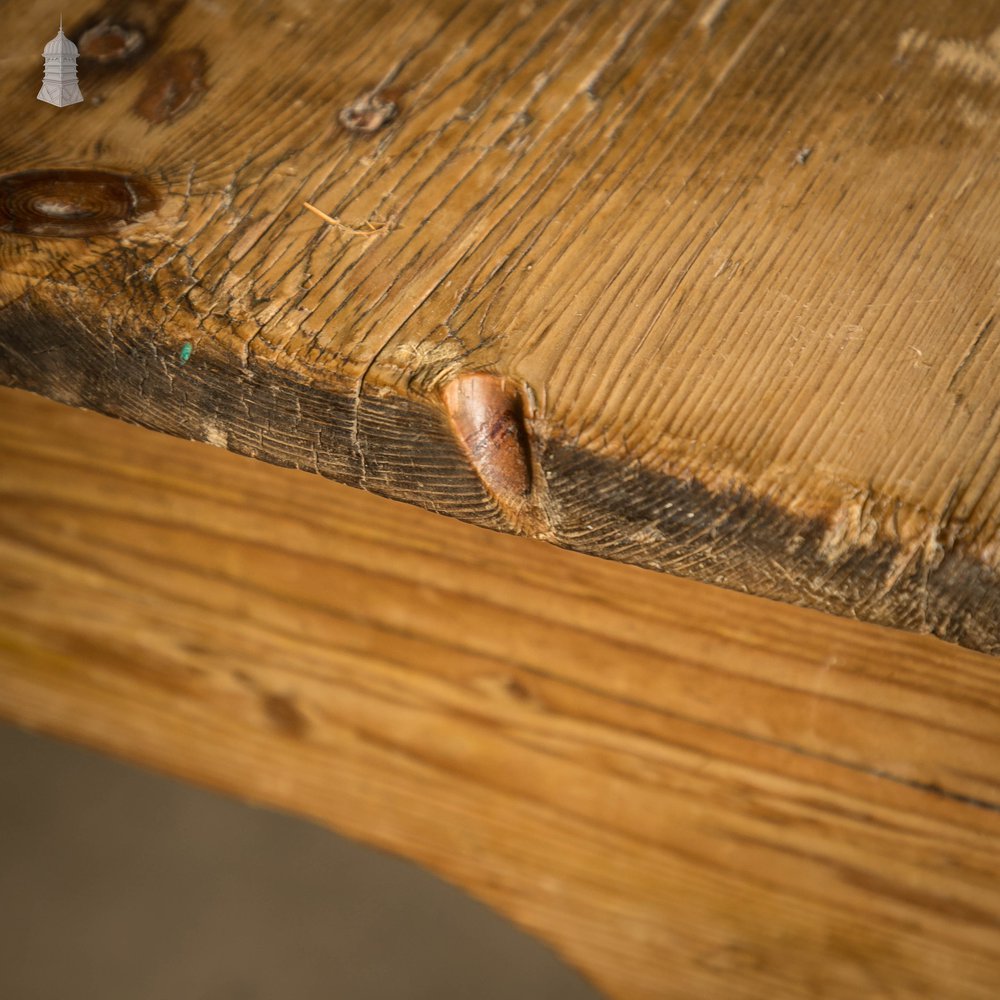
{"x": 119, "y": 884}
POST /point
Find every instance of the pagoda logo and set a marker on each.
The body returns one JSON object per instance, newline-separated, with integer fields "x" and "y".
{"x": 59, "y": 86}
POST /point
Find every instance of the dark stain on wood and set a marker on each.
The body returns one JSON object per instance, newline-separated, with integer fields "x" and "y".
{"x": 175, "y": 84}
{"x": 635, "y": 515}
{"x": 74, "y": 203}
{"x": 518, "y": 690}
{"x": 285, "y": 715}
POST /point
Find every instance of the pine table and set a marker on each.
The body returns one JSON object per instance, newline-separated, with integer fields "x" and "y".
{"x": 706, "y": 289}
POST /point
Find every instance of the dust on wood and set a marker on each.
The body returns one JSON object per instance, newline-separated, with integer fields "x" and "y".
{"x": 368, "y": 113}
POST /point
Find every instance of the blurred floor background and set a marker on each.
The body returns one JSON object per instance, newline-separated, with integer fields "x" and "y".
{"x": 119, "y": 884}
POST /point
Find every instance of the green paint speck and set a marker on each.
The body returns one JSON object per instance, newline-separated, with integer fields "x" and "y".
{"x": 185, "y": 353}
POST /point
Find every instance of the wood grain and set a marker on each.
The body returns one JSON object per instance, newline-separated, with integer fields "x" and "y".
{"x": 738, "y": 259}
{"x": 688, "y": 792}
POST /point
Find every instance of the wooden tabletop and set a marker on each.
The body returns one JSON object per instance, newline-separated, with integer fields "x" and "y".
{"x": 709, "y": 287}
{"x": 691, "y": 794}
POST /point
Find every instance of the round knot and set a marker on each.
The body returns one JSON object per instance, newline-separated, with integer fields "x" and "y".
{"x": 71, "y": 202}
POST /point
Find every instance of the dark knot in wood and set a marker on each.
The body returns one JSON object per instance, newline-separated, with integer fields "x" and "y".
{"x": 116, "y": 36}
{"x": 176, "y": 82}
{"x": 487, "y": 414}
{"x": 72, "y": 202}
{"x": 108, "y": 42}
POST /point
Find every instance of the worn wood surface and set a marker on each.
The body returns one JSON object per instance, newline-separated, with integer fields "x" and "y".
{"x": 690, "y": 793}
{"x": 732, "y": 267}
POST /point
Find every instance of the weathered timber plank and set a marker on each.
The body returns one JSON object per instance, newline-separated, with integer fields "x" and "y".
{"x": 734, "y": 266}
{"x": 689, "y": 793}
